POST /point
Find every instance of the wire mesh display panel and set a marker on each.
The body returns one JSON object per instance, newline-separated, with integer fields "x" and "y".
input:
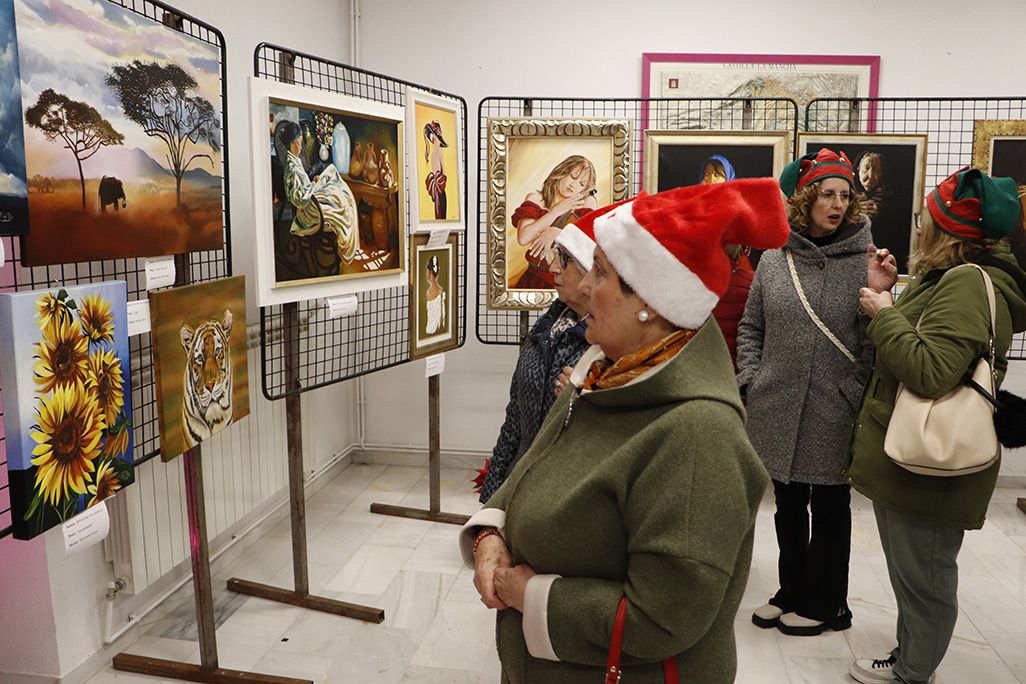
{"x": 947, "y": 123}
{"x": 377, "y": 336}
{"x": 191, "y": 268}
{"x": 507, "y": 326}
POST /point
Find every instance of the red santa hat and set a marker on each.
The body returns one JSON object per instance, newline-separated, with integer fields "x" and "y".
{"x": 669, "y": 249}
{"x": 578, "y": 238}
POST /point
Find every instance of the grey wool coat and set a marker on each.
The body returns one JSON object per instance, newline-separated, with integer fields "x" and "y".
{"x": 802, "y": 392}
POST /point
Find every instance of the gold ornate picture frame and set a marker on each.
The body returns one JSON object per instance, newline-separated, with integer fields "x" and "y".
{"x": 535, "y": 166}
{"x": 999, "y": 148}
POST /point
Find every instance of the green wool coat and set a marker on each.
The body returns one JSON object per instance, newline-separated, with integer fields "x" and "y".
{"x": 650, "y": 489}
{"x": 931, "y": 362}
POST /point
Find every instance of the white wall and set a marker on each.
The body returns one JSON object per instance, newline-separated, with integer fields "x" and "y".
{"x": 544, "y": 48}
{"x": 59, "y": 623}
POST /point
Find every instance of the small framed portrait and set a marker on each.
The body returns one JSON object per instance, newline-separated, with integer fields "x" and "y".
{"x": 329, "y": 193}
{"x": 890, "y": 171}
{"x": 999, "y": 148}
{"x": 434, "y": 284}
{"x": 434, "y": 143}
{"x": 677, "y": 158}
{"x": 543, "y": 174}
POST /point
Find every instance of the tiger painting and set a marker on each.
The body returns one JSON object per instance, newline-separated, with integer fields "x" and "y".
{"x": 207, "y": 387}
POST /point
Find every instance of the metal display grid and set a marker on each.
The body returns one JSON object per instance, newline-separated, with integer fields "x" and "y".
{"x": 508, "y": 326}
{"x": 377, "y": 336}
{"x": 192, "y": 268}
{"x": 948, "y": 123}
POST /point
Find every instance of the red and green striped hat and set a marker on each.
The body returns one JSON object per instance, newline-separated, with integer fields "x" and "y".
{"x": 814, "y": 167}
{"x": 971, "y": 205}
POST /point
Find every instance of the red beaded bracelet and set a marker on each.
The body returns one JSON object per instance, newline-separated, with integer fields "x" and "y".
{"x": 482, "y": 534}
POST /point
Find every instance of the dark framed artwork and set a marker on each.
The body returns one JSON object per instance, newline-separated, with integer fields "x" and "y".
{"x": 890, "y": 170}
{"x": 433, "y": 296}
{"x": 13, "y": 181}
{"x": 677, "y": 158}
{"x": 999, "y": 148}
{"x": 123, "y": 134}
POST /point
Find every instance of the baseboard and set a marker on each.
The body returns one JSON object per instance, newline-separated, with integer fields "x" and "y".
{"x": 417, "y": 456}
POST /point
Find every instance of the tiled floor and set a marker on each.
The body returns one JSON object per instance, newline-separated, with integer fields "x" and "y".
{"x": 436, "y": 631}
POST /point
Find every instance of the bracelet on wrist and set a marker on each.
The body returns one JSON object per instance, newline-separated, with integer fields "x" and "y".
{"x": 486, "y": 532}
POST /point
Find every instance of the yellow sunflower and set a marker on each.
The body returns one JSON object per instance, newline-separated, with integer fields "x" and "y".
{"x": 63, "y": 355}
{"x": 67, "y": 442}
{"x": 106, "y": 484}
{"x": 50, "y": 311}
{"x": 97, "y": 320}
{"x": 104, "y": 382}
{"x": 117, "y": 441}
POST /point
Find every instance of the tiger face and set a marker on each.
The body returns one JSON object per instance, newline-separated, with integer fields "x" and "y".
{"x": 207, "y": 384}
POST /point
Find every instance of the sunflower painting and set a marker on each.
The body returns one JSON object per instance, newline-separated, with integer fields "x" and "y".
{"x": 67, "y": 401}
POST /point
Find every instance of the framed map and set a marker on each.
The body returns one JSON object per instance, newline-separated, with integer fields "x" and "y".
{"x": 801, "y": 78}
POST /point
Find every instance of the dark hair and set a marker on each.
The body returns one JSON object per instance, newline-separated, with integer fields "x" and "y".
{"x": 286, "y": 132}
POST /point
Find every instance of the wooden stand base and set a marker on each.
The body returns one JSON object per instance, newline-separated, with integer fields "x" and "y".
{"x": 419, "y": 514}
{"x": 1021, "y": 503}
{"x": 191, "y": 672}
{"x": 293, "y": 598}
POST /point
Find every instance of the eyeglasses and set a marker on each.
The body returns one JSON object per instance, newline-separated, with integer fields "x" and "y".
{"x": 918, "y": 216}
{"x": 563, "y": 256}
{"x": 830, "y": 195}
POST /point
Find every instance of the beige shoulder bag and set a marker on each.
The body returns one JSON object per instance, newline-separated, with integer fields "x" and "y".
{"x": 953, "y": 435}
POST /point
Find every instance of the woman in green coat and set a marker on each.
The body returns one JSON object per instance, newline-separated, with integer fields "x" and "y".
{"x": 641, "y": 482}
{"x": 922, "y": 518}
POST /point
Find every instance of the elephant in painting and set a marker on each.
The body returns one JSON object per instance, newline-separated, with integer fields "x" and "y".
{"x": 111, "y": 191}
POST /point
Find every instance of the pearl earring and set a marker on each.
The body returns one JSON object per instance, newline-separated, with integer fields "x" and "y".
{"x": 643, "y": 315}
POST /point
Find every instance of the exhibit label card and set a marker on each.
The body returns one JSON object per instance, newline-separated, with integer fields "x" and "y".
{"x": 435, "y": 365}
{"x": 86, "y": 529}
{"x": 438, "y": 238}
{"x": 343, "y": 305}
{"x": 160, "y": 272}
{"x": 138, "y": 317}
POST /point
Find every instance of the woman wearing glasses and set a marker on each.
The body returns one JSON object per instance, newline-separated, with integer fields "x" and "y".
{"x": 555, "y": 341}
{"x": 803, "y": 360}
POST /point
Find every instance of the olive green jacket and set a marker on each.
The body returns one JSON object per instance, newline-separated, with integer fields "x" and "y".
{"x": 932, "y": 361}
{"x": 648, "y": 490}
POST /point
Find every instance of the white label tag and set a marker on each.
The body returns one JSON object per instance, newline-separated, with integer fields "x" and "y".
{"x": 160, "y": 272}
{"x": 138, "y": 317}
{"x": 2, "y": 255}
{"x": 435, "y": 365}
{"x": 438, "y": 238}
{"x": 343, "y": 305}
{"x": 86, "y": 529}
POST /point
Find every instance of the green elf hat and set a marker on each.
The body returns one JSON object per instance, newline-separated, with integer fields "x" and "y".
{"x": 814, "y": 167}
{"x": 971, "y": 205}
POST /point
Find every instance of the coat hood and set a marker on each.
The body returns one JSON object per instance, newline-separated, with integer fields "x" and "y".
{"x": 851, "y": 238}
{"x": 701, "y": 370}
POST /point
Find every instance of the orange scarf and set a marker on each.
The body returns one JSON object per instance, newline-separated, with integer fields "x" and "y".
{"x": 605, "y": 374}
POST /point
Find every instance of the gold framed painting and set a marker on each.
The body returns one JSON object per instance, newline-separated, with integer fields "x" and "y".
{"x": 434, "y": 292}
{"x": 999, "y": 148}
{"x": 435, "y": 147}
{"x": 677, "y": 158}
{"x": 890, "y": 170}
{"x": 542, "y": 175}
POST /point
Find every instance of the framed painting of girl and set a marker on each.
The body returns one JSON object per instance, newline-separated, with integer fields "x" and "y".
{"x": 435, "y": 146}
{"x": 543, "y": 174}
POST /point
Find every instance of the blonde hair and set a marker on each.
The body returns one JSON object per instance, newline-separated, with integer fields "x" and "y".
{"x": 937, "y": 249}
{"x": 799, "y": 207}
{"x": 563, "y": 169}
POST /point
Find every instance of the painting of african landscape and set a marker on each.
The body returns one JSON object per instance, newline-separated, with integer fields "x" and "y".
{"x": 67, "y": 401}
{"x": 123, "y": 130}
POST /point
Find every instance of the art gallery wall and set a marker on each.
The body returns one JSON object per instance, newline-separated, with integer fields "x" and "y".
{"x": 542, "y": 49}
{"x": 60, "y": 622}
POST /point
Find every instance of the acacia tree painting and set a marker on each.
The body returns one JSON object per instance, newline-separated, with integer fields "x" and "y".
{"x": 158, "y": 98}
{"x": 80, "y": 126}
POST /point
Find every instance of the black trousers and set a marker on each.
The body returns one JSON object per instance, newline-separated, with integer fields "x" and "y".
{"x": 813, "y": 569}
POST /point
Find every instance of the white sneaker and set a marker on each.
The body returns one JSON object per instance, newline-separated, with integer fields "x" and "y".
{"x": 878, "y": 671}
{"x": 873, "y": 671}
{"x": 766, "y": 616}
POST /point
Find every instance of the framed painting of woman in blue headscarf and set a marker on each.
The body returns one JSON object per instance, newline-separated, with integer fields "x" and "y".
{"x": 677, "y": 158}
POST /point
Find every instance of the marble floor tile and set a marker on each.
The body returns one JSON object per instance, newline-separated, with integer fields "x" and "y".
{"x": 318, "y": 574}
{"x": 435, "y": 675}
{"x": 817, "y": 670}
{"x": 314, "y": 634}
{"x": 339, "y": 540}
{"x": 367, "y": 670}
{"x": 437, "y": 552}
{"x": 315, "y": 669}
{"x": 1011, "y": 648}
{"x": 399, "y": 532}
{"x": 370, "y": 570}
{"x": 461, "y": 637}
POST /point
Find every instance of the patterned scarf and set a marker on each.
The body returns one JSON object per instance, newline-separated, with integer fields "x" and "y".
{"x": 605, "y": 374}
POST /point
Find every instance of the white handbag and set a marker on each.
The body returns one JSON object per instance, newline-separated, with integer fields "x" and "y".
{"x": 952, "y": 435}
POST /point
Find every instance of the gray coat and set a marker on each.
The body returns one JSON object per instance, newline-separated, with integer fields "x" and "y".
{"x": 802, "y": 392}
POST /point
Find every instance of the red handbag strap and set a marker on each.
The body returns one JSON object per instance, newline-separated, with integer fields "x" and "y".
{"x": 613, "y": 671}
